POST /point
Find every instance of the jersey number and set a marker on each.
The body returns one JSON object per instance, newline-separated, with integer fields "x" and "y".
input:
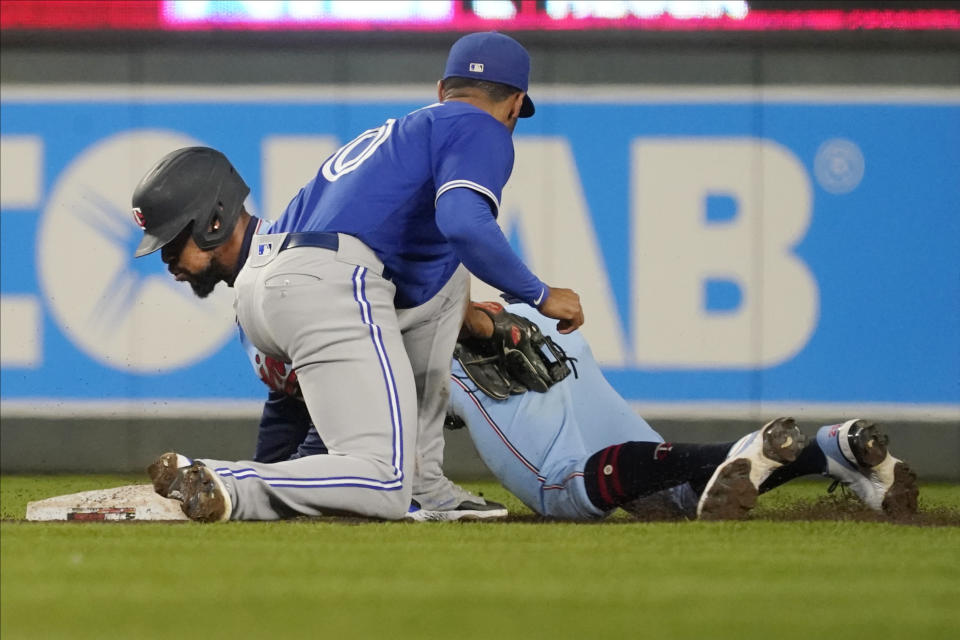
{"x": 352, "y": 155}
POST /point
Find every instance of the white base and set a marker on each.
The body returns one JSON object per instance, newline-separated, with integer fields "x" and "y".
{"x": 120, "y": 504}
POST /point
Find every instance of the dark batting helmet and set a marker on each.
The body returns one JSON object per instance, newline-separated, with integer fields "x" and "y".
{"x": 190, "y": 185}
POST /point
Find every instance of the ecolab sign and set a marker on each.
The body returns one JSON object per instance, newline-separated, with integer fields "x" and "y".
{"x": 726, "y": 248}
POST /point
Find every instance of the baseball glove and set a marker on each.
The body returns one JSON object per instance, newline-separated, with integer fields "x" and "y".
{"x": 516, "y": 359}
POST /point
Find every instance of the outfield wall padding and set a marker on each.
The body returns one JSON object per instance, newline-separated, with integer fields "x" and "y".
{"x": 32, "y": 445}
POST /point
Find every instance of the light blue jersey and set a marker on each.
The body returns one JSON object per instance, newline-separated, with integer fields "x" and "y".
{"x": 538, "y": 443}
{"x": 383, "y": 187}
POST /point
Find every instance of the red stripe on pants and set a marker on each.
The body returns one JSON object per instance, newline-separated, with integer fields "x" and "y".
{"x": 601, "y": 479}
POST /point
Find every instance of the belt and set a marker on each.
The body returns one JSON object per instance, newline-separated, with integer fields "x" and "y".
{"x": 322, "y": 239}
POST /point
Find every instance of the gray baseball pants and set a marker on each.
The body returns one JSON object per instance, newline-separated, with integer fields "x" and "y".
{"x": 429, "y": 335}
{"x": 331, "y": 314}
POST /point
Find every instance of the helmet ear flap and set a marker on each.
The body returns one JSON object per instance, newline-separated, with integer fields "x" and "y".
{"x": 221, "y": 219}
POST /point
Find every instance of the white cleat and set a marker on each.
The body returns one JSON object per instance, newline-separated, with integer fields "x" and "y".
{"x": 205, "y": 498}
{"x": 857, "y": 457}
{"x": 467, "y": 510}
{"x": 733, "y": 489}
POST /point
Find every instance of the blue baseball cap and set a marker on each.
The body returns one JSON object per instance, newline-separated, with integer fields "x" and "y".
{"x": 494, "y": 57}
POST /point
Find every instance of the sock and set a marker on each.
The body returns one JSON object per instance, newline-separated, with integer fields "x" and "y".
{"x": 810, "y": 461}
{"x": 627, "y": 471}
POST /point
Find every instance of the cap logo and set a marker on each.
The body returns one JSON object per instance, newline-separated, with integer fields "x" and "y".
{"x": 138, "y": 218}
{"x": 476, "y": 67}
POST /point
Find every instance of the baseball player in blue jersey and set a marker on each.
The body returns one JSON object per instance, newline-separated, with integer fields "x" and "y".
{"x": 360, "y": 285}
{"x": 578, "y": 451}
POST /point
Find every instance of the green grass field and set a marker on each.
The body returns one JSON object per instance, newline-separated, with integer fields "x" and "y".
{"x": 773, "y": 576}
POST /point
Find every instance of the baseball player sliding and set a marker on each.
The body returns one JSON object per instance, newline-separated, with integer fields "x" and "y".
{"x": 360, "y": 285}
{"x": 576, "y": 449}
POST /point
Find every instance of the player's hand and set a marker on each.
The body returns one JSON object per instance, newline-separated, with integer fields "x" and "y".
{"x": 563, "y": 305}
{"x": 476, "y": 323}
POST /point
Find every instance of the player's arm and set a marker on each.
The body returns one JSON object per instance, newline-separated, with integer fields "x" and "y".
{"x": 473, "y": 158}
{"x": 465, "y": 218}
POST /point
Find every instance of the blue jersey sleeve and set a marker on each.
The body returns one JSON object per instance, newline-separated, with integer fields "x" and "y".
{"x": 464, "y": 218}
{"x": 473, "y": 151}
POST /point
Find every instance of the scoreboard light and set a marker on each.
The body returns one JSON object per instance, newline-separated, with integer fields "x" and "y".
{"x": 461, "y": 16}
{"x": 316, "y": 12}
{"x": 444, "y": 11}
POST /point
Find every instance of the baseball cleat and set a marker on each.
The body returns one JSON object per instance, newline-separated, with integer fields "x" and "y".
{"x": 466, "y": 510}
{"x": 163, "y": 473}
{"x": 735, "y": 484}
{"x": 857, "y": 457}
{"x": 205, "y": 498}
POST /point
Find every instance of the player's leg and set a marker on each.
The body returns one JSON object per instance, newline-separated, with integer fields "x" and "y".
{"x": 858, "y": 457}
{"x": 312, "y": 445}
{"x": 623, "y": 474}
{"x": 565, "y": 490}
{"x": 284, "y": 424}
{"x": 543, "y": 447}
{"x": 335, "y": 322}
{"x": 733, "y": 488}
{"x": 367, "y": 471}
{"x": 855, "y": 454}
{"x": 536, "y": 446}
{"x": 810, "y": 461}
{"x": 649, "y": 479}
{"x": 657, "y": 479}
{"x": 514, "y": 436}
{"x": 658, "y": 475}
{"x": 620, "y": 474}
{"x": 429, "y": 333}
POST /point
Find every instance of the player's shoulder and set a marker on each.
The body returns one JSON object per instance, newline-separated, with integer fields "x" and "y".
{"x": 454, "y": 114}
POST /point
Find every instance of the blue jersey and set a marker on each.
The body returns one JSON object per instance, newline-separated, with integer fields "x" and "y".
{"x": 383, "y": 186}
{"x": 538, "y": 443}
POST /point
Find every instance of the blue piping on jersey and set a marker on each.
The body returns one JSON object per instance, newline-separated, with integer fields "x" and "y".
{"x": 311, "y": 483}
{"x": 359, "y": 286}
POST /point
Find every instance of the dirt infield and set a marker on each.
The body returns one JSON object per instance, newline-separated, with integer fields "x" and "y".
{"x": 847, "y": 508}
{"x": 841, "y": 506}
